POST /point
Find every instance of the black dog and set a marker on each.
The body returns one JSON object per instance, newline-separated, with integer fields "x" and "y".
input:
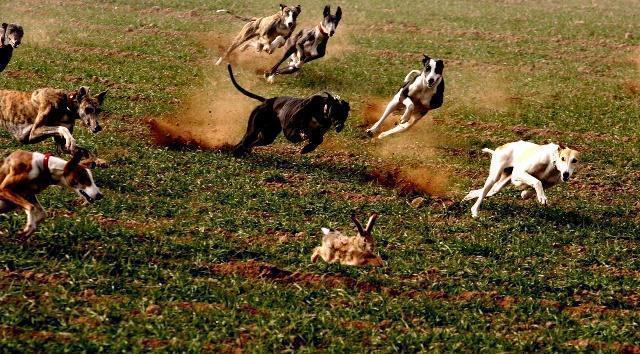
{"x": 309, "y": 44}
{"x": 299, "y": 118}
{"x": 12, "y": 34}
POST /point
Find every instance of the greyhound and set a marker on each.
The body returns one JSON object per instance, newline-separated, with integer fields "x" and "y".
{"x": 309, "y": 44}
{"x": 272, "y": 32}
{"x": 421, "y": 92}
{"x": 24, "y": 174}
{"x": 300, "y": 118}
{"x": 526, "y": 165}
{"x": 32, "y": 117}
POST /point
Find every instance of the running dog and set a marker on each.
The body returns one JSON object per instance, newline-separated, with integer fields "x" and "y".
{"x": 421, "y": 92}
{"x": 356, "y": 251}
{"x": 10, "y": 39}
{"x": 526, "y": 165}
{"x": 272, "y": 32}
{"x": 25, "y": 174}
{"x": 300, "y": 118}
{"x": 309, "y": 44}
{"x": 32, "y": 117}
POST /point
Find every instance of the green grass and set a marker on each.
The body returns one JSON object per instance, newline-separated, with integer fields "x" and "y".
{"x": 199, "y": 233}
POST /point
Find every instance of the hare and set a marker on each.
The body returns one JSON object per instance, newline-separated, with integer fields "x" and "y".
{"x": 356, "y": 251}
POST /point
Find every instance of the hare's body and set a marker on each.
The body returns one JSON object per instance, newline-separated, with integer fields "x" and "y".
{"x": 356, "y": 251}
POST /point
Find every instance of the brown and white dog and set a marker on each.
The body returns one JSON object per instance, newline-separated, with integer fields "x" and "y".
{"x": 24, "y": 174}
{"x": 32, "y": 117}
{"x": 356, "y": 251}
{"x": 270, "y": 32}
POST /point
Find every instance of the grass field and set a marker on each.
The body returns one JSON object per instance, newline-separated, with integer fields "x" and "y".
{"x": 194, "y": 250}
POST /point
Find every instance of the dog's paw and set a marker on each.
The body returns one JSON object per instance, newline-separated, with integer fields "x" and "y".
{"x": 370, "y": 132}
{"x": 26, "y": 232}
{"x": 219, "y": 61}
{"x": 101, "y": 163}
{"x": 271, "y": 79}
{"x": 70, "y": 145}
{"x": 542, "y": 199}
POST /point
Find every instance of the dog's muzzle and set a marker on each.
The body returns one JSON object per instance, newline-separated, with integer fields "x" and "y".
{"x": 89, "y": 199}
{"x": 96, "y": 130}
{"x": 566, "y": 176}
{"x": 339, "y": 127}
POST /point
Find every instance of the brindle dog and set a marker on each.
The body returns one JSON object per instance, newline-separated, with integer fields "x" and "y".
{"x": 32, "y": 117}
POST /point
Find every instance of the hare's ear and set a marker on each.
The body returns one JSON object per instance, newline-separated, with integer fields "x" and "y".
{"x": 358, "y": 225}
{"x": 371, "y": 222}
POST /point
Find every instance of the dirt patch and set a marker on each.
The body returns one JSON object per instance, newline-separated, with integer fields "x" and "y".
{"x": 257, "y": 270}
{"x": 410, "y": 181}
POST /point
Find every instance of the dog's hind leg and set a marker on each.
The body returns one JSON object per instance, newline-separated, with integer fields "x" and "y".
{"x": 505, "y": 179}
{"x": 392, "y": 106}
{"x": 274, "y": 70}
{"x": 415, "y": 117}
{"x": 494, "y": 176}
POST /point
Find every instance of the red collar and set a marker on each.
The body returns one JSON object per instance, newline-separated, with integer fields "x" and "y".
{"x": 45, "y": 166}
{"x": 322, "y": 29}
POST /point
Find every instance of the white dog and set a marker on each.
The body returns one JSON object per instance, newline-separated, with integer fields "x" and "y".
{"x": 421, "y": 92}
{"x": 526, "y": 165}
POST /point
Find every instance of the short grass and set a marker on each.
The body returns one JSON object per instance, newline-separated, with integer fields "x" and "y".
{"x": 222, "y": 245}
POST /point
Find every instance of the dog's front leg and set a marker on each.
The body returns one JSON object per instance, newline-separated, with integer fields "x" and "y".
{"x": 402, "y": 126}
{"x": 536, "y": 184}
{"x": 44, "y": 132}
{"x": 277, "y": 43}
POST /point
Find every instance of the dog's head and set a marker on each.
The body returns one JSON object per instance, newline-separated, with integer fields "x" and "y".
{"x": 87, "y": 108}
{"x": 290, "y": 14}
{"x": 13, "y": 34}
{"x": 433, "y": 69}
{"x": 566, "y": 162}
{"x": 337, "y": 110}
{"x": 78, "y": 177}
{"x": 330, "y": 22}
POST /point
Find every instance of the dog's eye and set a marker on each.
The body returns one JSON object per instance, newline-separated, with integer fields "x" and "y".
{"x": 574, "y": 161}
{"x": 89, "y": 110}
{"x": 563, "y": 159}
{"x": 428, "y": 68}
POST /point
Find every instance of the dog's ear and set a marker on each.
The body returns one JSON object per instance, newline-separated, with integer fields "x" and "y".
{"x": 325, "y": 231}
{"x": 79, "y": 95}
{"x": 5, "y": 25}
{"x": 425, "y": 59}
{"x": 101, "y": 96}
{"x": 282, "y": 7}
{"x": 78, "y": 154}
{"x": 89, "y": 163}
{"x": 338, "y": 14}
{"x": 561, "y": 146}
{"x": 298, "y": 9}
{"x": 327, "y": 11}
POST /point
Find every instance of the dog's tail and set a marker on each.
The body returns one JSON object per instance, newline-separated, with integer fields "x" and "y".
{"x": 242, "y": 18}
{"x": 242, "y": 90}
{"x": 488, "y": 151}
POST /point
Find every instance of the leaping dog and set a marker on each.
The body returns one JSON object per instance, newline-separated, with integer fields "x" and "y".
{"x": 300, "y": 118}
{"x": 421, "y": 92}
{"x": 272, "y": 32}
{"x": 24, "y": 174}
{"x": 10, "y": 39}
{"x": 32, "y": 117}
{"x": 309, "y": 44}
{"x": 526, "y": 165}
